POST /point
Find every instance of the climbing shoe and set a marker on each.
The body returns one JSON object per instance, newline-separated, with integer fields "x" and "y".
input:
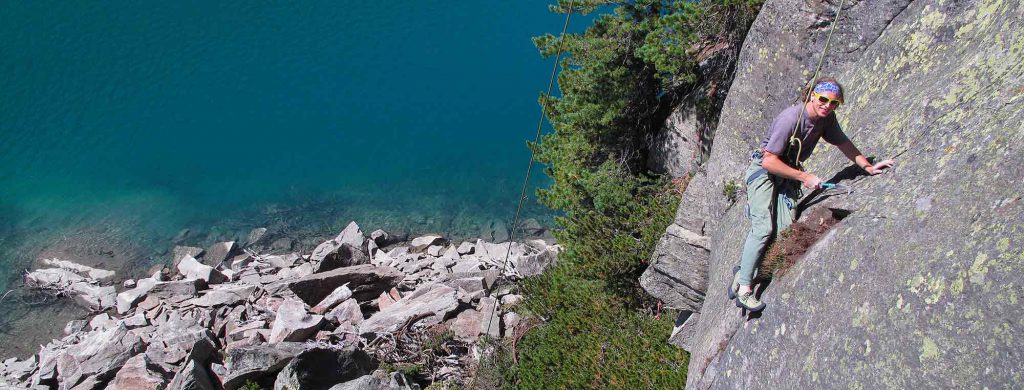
{"x": 749, "y": 301}
{"x": 735, "y": 285}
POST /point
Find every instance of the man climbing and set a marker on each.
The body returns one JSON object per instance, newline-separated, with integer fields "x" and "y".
{"x": 776, "y": 169}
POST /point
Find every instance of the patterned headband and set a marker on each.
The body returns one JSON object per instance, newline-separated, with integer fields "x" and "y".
{"x": 827, "y": 86}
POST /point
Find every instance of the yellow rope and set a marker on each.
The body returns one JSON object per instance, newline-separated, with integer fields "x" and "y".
{"x": 793, "y": 139}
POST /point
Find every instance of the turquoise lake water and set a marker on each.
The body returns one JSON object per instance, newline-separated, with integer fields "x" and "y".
{"x": 122, "y": 124}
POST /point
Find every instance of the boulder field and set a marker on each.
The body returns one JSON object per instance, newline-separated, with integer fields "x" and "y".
{"x": 341, "y": 317}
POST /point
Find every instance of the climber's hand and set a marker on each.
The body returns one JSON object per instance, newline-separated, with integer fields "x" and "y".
{"x": 810, "y": 181}
{"x": 880, "y": 168}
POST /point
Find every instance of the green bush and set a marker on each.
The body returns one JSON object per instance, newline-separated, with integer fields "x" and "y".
{"x": 731, "y": 190}
{"x": 594, "y": 340}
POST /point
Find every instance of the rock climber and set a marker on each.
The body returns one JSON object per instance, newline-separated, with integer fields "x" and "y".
{"x": 776, "y": 172}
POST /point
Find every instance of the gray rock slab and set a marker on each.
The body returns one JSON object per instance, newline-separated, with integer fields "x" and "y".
{"x": 282, "y": 261}
{"x": 340, "y": 294}
{"x": 320, "y": 368}
{"x": 918, "y": 283}
{"x": 192, "y": 376}
{"x": 220, "y": 252}
{"x": 471, "y": 284}
{"x": 535, "y": 263}
{"x": 490, "y": 320}
{"x": 93, "y": 296}
{"x": 256, "y": 362}
{"x": 351, "y": 235}
{"x": 465, "y": 248}
{"x": 193, "y": 269}
{"x": 420, "y": 244}
{"x": 293, "y": 323}
{"x": 678, "y": 272}
{"x": 127, "y": 299}
{"x": 348, "y": 311}
{"x": 136, "y": 374}
{"x": 224, "y": 296}
{"x": 99, "y": 354}
{"x": 99, "y": 275}
{"x": 429, "y": 304}
{"x": 255, "y": 236}
{"x": 344, "y": 255}
{"x": 366, "y": 282}
{"x": 180, "y": 252}
{"x": 178, "y": 288}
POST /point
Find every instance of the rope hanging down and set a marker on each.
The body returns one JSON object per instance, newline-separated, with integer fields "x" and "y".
{"x": 537, "y": 138}
{"x": 799, "y": 126}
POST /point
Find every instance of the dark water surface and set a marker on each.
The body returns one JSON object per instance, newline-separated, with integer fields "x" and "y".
{"x": 122, "y": 124}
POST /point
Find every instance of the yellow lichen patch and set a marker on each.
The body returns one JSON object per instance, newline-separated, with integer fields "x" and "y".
{"x": 936, "y": 287}
{"x": 979, "y": 269}
{"x": 862, "y": 316}
{"x": 1003, "y": 245}
{"x": 929, "y": 350}
{"x": 915, "y": 283}
{"x": 957, "y": 287}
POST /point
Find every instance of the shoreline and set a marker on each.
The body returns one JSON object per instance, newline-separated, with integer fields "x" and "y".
{"x": 131, "y": 250}
{"x": 463, "y": 281}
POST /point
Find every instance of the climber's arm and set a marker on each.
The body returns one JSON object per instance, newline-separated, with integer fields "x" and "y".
{"x": 774, "y": 165}
{"x": 854, "y": 154}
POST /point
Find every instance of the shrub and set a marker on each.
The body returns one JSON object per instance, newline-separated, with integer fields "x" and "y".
{"x": 731, "y": 190}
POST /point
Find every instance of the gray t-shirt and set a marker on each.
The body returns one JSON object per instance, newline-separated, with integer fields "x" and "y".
{"x": 783, "y": 125}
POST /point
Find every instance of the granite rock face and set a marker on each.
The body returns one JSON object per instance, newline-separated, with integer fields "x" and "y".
{"x": 929, "y": 254}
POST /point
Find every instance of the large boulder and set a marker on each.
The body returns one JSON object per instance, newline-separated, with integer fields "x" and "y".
{"x": 192, "y": 376}
{"x": 344, "y": 256}
{"x": 320, "y": 368}
{"x": 100, "y": 354}
{"x": 348, "y": 311}
{"x": 180, "y": 289}
{"x": 136, "y": 374}
{"x": 337, "y": 296}
{"x": 293, "y": 323}
{"x": 96, "y": 274}
{"x": 535, "y": 263}
{"x": 257, "y": 362}
{"x": 193, "y": 269}
{"x": 429, "y": 304}
{"x": 128, "y": 298}
{"x": 230, "y": 295}
{"x": 420, "y": 244}
{"x": 366, "y": 282}
{"x": 351, "y": 236}
{"x": 218, "y": 253}
{"x": 181, "y": 252}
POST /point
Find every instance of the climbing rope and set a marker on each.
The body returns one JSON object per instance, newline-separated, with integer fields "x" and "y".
{"x": 799, "y": 126}
{"x": 536, "y": 139}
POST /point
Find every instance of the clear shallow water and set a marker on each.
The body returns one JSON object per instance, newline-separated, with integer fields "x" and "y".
{"x": 127, "y": 123}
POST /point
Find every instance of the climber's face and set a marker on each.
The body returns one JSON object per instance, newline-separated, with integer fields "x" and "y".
{"x": 823, "y": 103}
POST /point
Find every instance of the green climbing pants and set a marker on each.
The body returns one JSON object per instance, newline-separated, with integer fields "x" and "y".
{"x": 762, "y": 187}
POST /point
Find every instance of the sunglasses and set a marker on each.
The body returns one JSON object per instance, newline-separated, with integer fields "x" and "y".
{"x": 826, "y": 100}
